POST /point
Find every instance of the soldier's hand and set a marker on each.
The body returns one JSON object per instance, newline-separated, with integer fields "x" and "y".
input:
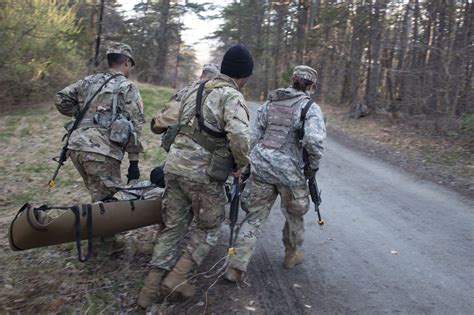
{"x": 133, "y": 171}
{"x": 309, "y": 172}
{"x": 239, "y": 172}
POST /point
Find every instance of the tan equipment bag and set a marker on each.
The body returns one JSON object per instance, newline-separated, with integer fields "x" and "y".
{"x": 81, "y": 222}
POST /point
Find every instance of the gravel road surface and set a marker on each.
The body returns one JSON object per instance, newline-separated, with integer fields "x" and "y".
{"x": 392, "y": 243}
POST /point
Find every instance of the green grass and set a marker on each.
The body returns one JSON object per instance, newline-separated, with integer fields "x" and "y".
{"x": 40, "y": 168}
{"x": 25, "y": 132}
{"x": 32, "y": 111}
{"x": 155, "y": 154}
{"x": 154, "y": 98}
{"x": 24, "y": 197}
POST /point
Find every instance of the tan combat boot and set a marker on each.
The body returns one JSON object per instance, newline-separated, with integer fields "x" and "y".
{"x": 176, "y": 281}
{"x": 150, "y": 292}
{"x": 293, "y": 258}
{"x": 234, "y": 274}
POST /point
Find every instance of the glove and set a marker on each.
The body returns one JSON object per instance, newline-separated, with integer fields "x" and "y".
{"x": 309, "y": 172}
{"x": 157, "y": 177}
{"x": 133, "y": 171}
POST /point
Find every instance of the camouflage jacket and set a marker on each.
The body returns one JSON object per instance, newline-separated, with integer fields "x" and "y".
{"x": 138, "y": 190}
{"x": 284, "y": 166}
{"x": 170, "y": 112}
{"x": 223, "y": 109}
{"x": 89, "y": 137}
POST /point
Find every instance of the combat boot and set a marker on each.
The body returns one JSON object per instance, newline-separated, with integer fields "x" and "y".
{"x": 293, "y": 258}
{"x": 176, "y": 282}
{"x": 150, "y": 292}
{"x": 234, "y": 274}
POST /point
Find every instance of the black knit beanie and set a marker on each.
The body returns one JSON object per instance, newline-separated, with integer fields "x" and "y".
{"x": 237, "y": 62}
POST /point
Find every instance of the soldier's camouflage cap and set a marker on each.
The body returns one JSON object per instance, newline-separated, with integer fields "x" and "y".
{"x": 211, "y": 67}
{"x": 122, "y": 49}
{"x": 305, "y": 72}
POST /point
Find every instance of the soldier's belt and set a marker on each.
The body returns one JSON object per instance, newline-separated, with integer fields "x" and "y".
{"x": 201, "y": 139}
{"x": 80, "y": 222}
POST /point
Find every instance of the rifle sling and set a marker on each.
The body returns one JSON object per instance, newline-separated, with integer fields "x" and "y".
{"x": 200, "y": 138}
{"x": 304, "y": 111}
{"x": 87, "y": 105}
{"x": 195, "y": 131}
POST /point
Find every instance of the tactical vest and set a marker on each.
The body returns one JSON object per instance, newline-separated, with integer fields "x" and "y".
{"x": 222, "y": 161}
{"x": 95, "y": 118}
{"x": 104, "y": 112}
{"x": 279, "y": 133}
{"x": 206, "y": 137}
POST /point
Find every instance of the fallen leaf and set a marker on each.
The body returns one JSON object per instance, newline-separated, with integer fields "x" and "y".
{"x": 55, "y": 304}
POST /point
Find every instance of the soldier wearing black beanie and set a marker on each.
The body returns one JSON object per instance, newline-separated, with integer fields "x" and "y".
{"x": 199, "y": 161}
{"x": 237, "y": 62}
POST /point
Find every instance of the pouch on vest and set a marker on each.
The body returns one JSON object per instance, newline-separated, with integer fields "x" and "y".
{"x": 103, "y": 119}
{"x": 221, "y": 164}
{"x": 169, "y": 136}
{"x": 121, "y": 130}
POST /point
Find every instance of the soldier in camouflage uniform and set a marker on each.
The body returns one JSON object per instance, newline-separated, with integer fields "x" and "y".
{"x": 169, "y": 114}
{"x": 190, "y": 191}
{"x": 94, "y": 154}
{"x": 278, "y": 169}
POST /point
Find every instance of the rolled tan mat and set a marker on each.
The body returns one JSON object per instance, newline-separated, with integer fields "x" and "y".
{"x": 108, "y": 218}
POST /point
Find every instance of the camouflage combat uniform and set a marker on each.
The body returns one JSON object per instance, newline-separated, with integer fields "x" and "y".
{"x": 170, "y": 112}
{"x": 94, "y": 155}
{"x": 189, "y": 190}
{"x": 277, "y": 169}
{"x": 138, "y": 190}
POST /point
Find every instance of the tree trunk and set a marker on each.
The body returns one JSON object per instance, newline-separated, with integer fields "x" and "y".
{"x": 163, "y": 43}
{"x": 373, "y": 69}
{"x": 99, "y": 34}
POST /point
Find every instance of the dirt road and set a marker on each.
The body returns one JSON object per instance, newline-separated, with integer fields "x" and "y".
{"x": 391, "y": 244}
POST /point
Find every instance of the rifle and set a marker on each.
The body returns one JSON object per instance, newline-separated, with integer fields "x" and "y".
{"x": 315, "y": 197}
{"x": 234, "y": 213}
{"x": 79, "y": 116}
{"x": 312, "y": 184}
{"x": 314, "y": 191}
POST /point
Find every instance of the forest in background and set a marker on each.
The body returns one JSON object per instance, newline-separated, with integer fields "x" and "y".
{"x": 405, "y": 58}
{"x": 49, "y": 44}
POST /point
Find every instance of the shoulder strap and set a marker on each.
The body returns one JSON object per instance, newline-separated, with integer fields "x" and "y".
{"x": 115, "y": 97}
{"x": 87, "y": 104}
{"x": 200, "y": 117}
{"x": 304, "y": 111}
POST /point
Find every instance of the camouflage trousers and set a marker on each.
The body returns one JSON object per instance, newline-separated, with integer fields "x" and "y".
{"x": 96, "y": 170}
{"x": 257, "y": 200}
{"x": 183, "y": 200}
